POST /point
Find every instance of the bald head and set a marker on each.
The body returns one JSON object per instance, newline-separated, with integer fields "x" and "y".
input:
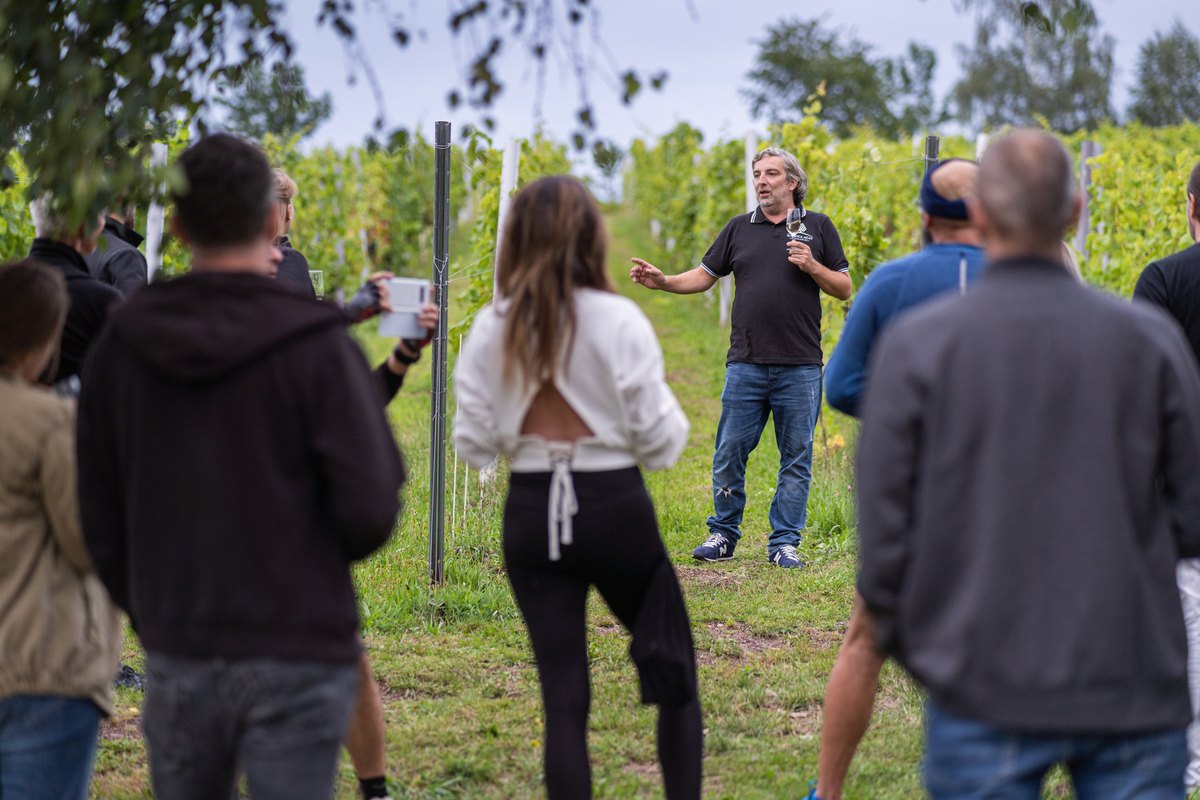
{"x": 952, "y": 180}
{"x": 955, "y": 180}
{"x": 1027, "y": 190}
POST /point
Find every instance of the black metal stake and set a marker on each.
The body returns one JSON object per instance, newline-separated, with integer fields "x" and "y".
{"x": 437, "y": 405}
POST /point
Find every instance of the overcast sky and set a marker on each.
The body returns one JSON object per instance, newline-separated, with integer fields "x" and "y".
{"x": 706, "y": 46}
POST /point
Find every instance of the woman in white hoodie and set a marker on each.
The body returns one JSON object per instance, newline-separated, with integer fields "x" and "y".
{"x": 565, "y": 378}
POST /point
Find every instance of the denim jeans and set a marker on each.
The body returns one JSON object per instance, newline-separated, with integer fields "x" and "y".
{"x": 790, "y": 394}
{"x": 47, "y": 744}
{"x": 279, "y": 722}
{"x": 965, "y": 760}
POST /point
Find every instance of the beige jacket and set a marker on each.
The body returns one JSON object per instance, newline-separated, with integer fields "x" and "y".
{"x": 59, "y": 632}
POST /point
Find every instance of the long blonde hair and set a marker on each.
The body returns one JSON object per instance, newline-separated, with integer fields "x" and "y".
{"x": 554, "y": 242}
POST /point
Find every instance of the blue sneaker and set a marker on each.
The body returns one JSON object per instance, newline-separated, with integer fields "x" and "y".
{"x": 786, "y": 558}
{"x": 715, "y": 548}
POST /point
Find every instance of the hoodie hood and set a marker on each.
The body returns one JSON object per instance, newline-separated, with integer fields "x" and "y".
{"x": 203, "y": 326}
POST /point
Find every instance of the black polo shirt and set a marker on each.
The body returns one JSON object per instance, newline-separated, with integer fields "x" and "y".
{"x": 1174, "y": 284}
{"x": 777, "y": 306}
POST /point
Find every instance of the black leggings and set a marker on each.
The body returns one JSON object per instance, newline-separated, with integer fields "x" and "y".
{"x": 617, "y": 548}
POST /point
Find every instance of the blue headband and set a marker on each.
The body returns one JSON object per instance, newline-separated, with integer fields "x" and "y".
{"x": 934, "y": 204}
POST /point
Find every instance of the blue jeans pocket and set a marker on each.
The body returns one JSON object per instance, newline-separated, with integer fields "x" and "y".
{"x": 967, "y": 759}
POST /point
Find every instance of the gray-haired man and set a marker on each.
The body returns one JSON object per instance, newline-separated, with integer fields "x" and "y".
{"x": 1026, "y": 483}
{"x": 774, "y": 363}
{"x": 65, "y": 247}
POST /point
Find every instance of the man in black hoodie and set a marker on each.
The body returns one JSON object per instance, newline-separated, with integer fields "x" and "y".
{"x": 232, "y": 463}
{"x": 1028, "y": 478}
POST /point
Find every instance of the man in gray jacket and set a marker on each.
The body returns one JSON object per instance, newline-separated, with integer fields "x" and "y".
{"x": 1028, "y": 478}
{"x": 117, "y": 260}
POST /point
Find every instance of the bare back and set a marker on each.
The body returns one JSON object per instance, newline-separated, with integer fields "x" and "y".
{"x": 552, "y": 418}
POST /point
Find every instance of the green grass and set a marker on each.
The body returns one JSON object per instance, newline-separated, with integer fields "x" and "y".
{"x": 461, "y": 691}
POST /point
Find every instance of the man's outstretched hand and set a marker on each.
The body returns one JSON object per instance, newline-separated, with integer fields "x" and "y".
{"x": 647, "y": 274}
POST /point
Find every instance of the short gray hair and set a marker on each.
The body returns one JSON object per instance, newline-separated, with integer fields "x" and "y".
{"x": 792, "y": 167}
{"x": 47, "y": 223}
{"x": 1027, "y": 187}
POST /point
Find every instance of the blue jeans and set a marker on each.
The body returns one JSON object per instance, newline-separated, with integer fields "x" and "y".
{"x": 279, "y": 722}
{"x": 968, "y": 760}
{"x": 792, "y": 395}
{"x": 47, "y": 744}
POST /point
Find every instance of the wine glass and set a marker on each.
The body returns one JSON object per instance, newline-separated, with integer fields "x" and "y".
{"x": 795, "y": 223}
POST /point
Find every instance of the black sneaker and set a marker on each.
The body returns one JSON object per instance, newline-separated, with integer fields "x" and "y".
{"x": 787, "y": 558}
{"x": 715, "y": 548}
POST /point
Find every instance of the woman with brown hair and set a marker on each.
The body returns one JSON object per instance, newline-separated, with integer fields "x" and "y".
{"x": 60, "y": 634}
{"x": 565, "y": 378}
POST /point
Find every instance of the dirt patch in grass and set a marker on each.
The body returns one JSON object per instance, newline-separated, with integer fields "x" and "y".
{"x": 714, "y": 577}
{"x": 744, "y": 638}
{"x": 825, "y": 639}
{"x": 391, "y": 693}
{"x": 122, "y": 726}
{"x": 608, "y": 629}
{"x": 512, "y": 681}
{"x": 643, "y": 769}
{"x": 736, "y": 643}
{"x": 805, "y": 721}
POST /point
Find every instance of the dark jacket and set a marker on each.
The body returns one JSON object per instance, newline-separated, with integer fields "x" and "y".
{"x": 1027, "y": 481}
{"x": 1173, "y": 283}
{"x": 90, "y": 301}
{"x": 117, "y": 260}
{"x": 293, "y": 269}
{"x": 232, "y": 464}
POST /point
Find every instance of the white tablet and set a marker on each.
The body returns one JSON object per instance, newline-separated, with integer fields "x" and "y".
{"x": 406, "y": 296}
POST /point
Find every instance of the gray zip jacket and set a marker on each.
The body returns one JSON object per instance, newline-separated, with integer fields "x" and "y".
{"x": 1028, "y": 477}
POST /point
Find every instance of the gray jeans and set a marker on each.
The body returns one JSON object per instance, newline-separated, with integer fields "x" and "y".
{"x": 281, "y": 723}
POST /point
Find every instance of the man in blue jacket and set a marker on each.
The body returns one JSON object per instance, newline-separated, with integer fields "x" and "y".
{"x": 952, "y": 259}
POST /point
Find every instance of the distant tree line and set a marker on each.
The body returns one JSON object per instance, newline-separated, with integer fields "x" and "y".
{"x": 1028, "y": 62}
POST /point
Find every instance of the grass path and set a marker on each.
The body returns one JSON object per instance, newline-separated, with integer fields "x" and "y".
{"x": 461, "y": 692}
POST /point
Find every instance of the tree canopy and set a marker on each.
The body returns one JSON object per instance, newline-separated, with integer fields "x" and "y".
{"x": 1031, "y": 61}
{"x": 86, "y": 86}
{"x": 892, "y": 95}
{"x": 1166, "y": 87}
{"x": 258, "y": 101}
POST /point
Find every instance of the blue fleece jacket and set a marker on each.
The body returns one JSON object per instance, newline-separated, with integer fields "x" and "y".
{"x": 889, "y": 290}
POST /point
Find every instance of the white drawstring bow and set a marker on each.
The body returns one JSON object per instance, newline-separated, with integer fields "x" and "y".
{"x": 563, "y": 503}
